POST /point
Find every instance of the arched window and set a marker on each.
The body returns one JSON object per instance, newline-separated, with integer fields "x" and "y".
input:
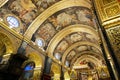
{"x": 57, "y": 56}
{"x": 40, "y": 42}
{"x": 12, "y": 21}
{"x": 67, "y": 63}
{"x": 29, "y": 67}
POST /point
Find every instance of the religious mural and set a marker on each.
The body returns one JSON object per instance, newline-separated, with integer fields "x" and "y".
{"x": 25, "y": 11}
{"x": 62, "y": 47}
{"x": 71, "y": 55}
{"x": 62, "y": 19}
{"x": 81, "y": 49}
{"x": 75, "y": 37}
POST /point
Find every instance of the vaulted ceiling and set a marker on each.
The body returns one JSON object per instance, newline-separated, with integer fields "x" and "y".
{"x": 63, "y": 29}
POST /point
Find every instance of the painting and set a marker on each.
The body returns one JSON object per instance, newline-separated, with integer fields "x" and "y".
{"x": 46, "y": 32}
{"x": 71, "y": 55}
{"x": 25, "y": 9}
{"x": 82, "y": 48}
{"x": 75, "y": 37}
{"x": 63, "y": 45}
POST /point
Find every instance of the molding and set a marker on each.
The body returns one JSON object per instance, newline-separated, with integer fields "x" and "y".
{"x": 2, "y": 2}
{"x": 3, "y": 25}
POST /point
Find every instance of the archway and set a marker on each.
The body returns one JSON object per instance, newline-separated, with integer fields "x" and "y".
{"x": 28, "y": 71}
{"x": 38, "y": 61}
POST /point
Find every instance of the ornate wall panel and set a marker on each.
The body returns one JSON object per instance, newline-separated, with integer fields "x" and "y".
{"x": 108, "y": 11}
{"x": 114, "y": 37}
{"x": 112, "y": 10}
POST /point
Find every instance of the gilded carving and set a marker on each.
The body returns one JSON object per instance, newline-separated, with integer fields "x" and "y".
{"x": 107, "y": 1}
{"x": 107, "y": 10}
{"x": 112, "y": 11}
{"x": 114, "y": 37}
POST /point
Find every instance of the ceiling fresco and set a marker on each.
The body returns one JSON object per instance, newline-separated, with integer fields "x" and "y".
{"x": 25, "y": 11}
{"x": 66, "y": 32}
{"x": 61, "y": 33}
{"x": 62, "y": 19}
{"x": 80, "y": 49}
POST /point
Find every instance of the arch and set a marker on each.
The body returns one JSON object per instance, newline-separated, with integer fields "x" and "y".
{"x": 86, "y": 53}
{"x": 28, "y": 70}
{"x": 89, "y": 58}
{"x": 68, "y": 30}
{"x": 36, "y": 58}
{"x": 50, "y": 11}
{"x": 39, "y": 64}
{"x": 78, "y": 44}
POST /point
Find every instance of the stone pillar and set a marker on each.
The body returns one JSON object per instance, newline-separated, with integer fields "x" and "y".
{"x": 47, "y": 68}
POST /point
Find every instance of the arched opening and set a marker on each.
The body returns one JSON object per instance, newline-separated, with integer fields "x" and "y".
{"x": 38, "y": 61}
{"x": 28, "y": 71}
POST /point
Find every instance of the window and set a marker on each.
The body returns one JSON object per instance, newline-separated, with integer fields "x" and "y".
{"x": 28, "y": 71}
{"x": 57, "y": 56}
{"x": 67, "y": 63}
{"x": 29, "y": 67}
{"x": 39, "y": 42}
{"x": 12, "y": 21}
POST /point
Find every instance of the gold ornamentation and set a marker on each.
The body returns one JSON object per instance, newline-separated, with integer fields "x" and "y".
{"x": 114, "y": 37}
{"x": 107, "y": 1}
{"x": 107, "y": 10}
{"x": 112, "y": 11}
